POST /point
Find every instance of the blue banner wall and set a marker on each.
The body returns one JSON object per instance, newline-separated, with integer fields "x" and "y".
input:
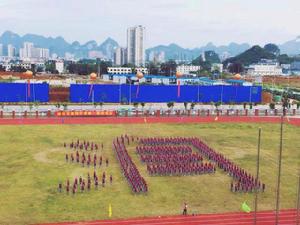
{"x": 164, "y": 93}
{"x": 18, "y": 92}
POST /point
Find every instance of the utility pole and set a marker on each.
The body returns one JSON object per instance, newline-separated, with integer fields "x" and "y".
{"x": 257, "y": 175}
{"x": 298, "y": 203}
{"x": 279, "y": 174}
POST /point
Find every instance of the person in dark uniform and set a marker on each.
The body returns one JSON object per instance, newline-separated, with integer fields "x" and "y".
{"x": 185, "y": 206}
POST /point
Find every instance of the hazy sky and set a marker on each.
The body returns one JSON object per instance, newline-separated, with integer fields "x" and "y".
{"x": 189, "y": 23}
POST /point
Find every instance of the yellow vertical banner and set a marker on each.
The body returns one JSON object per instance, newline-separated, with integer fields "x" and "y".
{"x": 109, "y": 211}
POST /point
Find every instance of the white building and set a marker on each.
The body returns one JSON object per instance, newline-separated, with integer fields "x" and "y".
{"x": 187, "y": 69}
{"x": 135, "y": 45}
{"x": 119, "y": 70}
{"x": 265, "y": 68}
{"x": 11, "y": 51}
{"x": 59, "y": 66}
{"x": 29, "y": 52}
{"x": 217, "y": 67}
{"x": 141, "y": 69}
{"x": 120, "y": 56}
{"x": 44, "y": 53}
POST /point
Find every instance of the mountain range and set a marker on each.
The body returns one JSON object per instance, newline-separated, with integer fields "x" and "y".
{"x": 60, "y": 46}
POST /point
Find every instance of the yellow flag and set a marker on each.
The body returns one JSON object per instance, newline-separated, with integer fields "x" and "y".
{"x": 109, "y": 211}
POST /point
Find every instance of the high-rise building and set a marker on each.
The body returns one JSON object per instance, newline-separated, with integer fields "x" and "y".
{"x": 30, "y": 52}
{"x": 44, "y": 53}
{"x": 11, "y": 51}
{"x": 120, "y": 56}
{"x": 135, "y": 45}
{"x": 1, "y": 49}
{"x": 27, "y": 50}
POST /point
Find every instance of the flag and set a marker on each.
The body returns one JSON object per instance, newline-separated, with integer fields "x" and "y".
{"x": 178, "y": 88}
{"x": 28, "y": 88}
{"x": 109, "y": 211}
{"x": 246, "y": 208}
{"x": 91, "y": 90}
{"x": 145, "y": 120}
{"x": 216, "y": 119}
{"x": 137, "y": 90}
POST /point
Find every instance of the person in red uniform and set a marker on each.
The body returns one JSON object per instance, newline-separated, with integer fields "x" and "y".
{"x": 111, "y": 179}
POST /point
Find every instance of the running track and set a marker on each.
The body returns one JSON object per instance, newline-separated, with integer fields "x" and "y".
{"x": 141, "y": 120}
{"x": 286, "y": 217}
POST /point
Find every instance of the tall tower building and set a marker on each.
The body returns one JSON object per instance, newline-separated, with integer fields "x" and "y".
{"x": 11, "y": 51}
{"x": 28, "y": 50}
{"x": 120, "y": 56}
{"x": 135, "y": 45}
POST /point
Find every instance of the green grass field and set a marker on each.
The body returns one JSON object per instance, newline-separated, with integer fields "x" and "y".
{"x": 32, "y": 163}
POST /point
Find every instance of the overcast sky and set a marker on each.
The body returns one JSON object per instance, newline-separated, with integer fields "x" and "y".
{"x": 189, "y": 23}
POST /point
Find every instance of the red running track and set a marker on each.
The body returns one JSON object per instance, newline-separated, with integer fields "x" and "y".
{"x": 141, "y": 120}
{"x": 286, "y": 217}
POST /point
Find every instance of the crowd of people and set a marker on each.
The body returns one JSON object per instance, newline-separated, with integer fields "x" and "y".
{"x": 242, "y": 180}
{"x": 83, "y": 145}
{"x": 171, "y": 158}
{"x": 130, "y": 171}
{"x": 165, "y": 141}
{"x": 179, "y": 169}
{"x": 81, "y": 184}
{"x": 164, "y": 149}
{"x": 86, "y": 159}
{"x": 167, "y": 156}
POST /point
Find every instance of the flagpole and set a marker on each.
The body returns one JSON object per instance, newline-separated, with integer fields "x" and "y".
{"x": 279, "y": 173}
{"x": 257, "y": 175}
{"x": 298, "y": 203}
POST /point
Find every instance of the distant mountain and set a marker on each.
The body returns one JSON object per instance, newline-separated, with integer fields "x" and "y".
{"x": 252, "y": 55}
{"x": 291, "y": 47}
{"x": 59, "y": 46}
{"x": 176, "y": 52}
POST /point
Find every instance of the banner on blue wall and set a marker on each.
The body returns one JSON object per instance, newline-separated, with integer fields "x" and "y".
{"x": 21, "y": 92}
{"x": 125, "y": 93}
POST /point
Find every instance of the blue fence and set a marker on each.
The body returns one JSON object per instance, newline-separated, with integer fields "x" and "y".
{"x": 162, "y": 93}
{"x": 16, "y": 92}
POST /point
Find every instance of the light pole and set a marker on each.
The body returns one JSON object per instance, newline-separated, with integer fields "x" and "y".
{"x": 257, "y": 175}
{"x": 279, "y": 174}
{"x": 298, "y": 203}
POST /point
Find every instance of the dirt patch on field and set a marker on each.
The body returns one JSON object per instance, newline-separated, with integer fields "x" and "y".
{"x": 43, "y": 156}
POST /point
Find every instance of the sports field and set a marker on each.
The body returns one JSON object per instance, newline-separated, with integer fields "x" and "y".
{"x": 33, "y": 162}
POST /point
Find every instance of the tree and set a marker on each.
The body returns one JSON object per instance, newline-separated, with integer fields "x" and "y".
{"x": 272, "y": 48}
{"x": 235, "y": 68}
{"x": 193, "y": 105}
{"x": 185, "y": 105}
{"x": 136, "y": 104}
{"x": 168, "y": 68}
{"x": 170, "y": 104}
{"x": 217, "y": 104}
{"x": 272, "y": 105}
{"x": 50, "y": 67}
